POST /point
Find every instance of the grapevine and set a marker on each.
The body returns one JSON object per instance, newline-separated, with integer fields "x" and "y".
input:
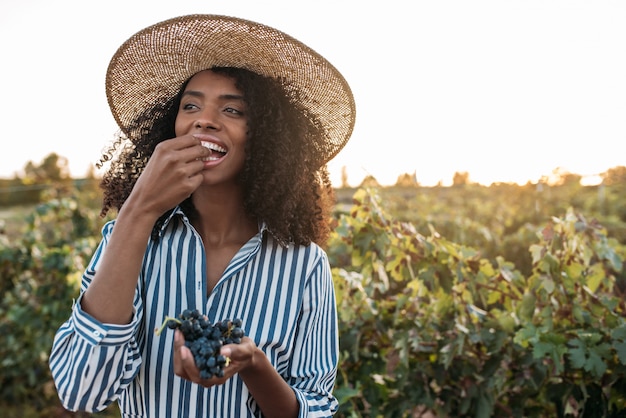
{"x": 205, "y": 339}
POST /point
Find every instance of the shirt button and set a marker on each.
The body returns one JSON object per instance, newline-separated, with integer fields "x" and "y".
{"x": 96, "y": 333}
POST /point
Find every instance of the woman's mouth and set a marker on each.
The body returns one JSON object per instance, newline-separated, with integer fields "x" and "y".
{"x": 217, "y": 151}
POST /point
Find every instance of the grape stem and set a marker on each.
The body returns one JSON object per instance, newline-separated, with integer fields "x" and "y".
{"x": 159, "y": 330}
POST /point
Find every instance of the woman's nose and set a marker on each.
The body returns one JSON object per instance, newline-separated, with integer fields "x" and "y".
{"x": 207, "y": 120}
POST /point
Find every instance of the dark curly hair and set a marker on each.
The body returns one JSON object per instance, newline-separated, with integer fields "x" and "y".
{"x": 286, "y": 183}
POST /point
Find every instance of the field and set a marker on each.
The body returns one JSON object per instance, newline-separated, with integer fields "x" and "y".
{"x": 433, "y": 285}
{"x": 12, "y": 220}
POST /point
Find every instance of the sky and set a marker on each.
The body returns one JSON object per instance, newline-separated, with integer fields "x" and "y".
{"x": 506, "y": 91}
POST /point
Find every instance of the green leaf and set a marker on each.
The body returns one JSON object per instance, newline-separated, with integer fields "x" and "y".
{"x": 526, "y": 335}
{"x": 345, "y": 393}
{"x": 548, "y": 284}
{"x": 595, "y": 276}
{"x": 588, "y": 355}
{"x": 542, "y": 349}
{"x": 537, "y": 252}
{"x": 577, "y": 353}
{"x": 595, "y": 363}
{"x": 527, "y": 307}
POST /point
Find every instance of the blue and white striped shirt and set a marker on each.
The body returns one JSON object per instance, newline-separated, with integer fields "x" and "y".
{"x": 284, "y": 295}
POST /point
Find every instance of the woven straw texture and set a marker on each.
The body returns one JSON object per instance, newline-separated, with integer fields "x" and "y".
{"x": 152, "y": 65}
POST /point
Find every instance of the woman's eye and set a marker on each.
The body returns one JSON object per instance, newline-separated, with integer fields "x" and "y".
{"x": 188, "y": 106}
{"x": 233, "y": 111}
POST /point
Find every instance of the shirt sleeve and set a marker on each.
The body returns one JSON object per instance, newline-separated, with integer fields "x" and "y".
{"x": 314, "y": 371}
{"x": 92, "y": 362}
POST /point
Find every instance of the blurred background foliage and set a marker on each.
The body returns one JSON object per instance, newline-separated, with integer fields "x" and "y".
{"x": 453, "y": 301}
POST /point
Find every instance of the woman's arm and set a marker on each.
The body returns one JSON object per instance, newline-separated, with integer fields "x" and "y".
{"x": 83, "y": 345}
{"x": 170, "y": 176}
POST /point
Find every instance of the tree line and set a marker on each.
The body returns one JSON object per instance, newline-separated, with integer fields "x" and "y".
{"x": 53, "y": 172}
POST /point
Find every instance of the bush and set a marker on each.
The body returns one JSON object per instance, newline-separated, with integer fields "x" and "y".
{"x": 427, "y": 325}
{"x": 39, "y": 275}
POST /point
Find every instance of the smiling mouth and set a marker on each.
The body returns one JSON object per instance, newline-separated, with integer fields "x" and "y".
{"x": 217, "y": 151}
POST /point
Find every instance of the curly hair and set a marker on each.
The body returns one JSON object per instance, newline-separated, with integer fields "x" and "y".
{"x": 285, "y": 182}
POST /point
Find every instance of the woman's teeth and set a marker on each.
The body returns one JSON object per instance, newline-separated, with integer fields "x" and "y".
{"x": 216, "y": 152}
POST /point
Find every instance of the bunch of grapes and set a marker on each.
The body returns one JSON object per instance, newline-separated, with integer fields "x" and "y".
{"x": 205, "y": 339}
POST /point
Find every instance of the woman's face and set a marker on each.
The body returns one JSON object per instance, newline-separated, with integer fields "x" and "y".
{"x": 214, "y": 111}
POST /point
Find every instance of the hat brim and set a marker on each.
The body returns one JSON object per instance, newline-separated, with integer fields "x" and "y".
{"x": 152, "y": 65}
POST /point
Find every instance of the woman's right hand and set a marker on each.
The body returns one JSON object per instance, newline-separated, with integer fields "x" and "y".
{"x": 172, "y": 174}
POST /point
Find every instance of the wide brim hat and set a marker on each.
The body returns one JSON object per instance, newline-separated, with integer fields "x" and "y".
{"x": 151, "y": 66}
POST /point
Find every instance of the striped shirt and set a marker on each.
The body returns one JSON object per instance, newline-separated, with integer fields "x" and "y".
{"x": 284, "y": 295}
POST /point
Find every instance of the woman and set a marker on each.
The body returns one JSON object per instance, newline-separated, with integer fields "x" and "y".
{"x": 223, "y": 200}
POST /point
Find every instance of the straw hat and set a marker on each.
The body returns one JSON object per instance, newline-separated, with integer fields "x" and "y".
{"x": 152, "y": 65}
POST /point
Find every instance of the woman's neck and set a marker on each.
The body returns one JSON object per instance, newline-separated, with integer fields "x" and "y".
{"x": 221, "y": 218}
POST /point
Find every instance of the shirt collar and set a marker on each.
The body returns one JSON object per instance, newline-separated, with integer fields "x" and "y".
{"x": 178, "y": 211}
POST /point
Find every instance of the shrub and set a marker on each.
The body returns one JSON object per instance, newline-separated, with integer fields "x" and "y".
{"x": 40, "y": 273}
{"x": 427, "y": 325}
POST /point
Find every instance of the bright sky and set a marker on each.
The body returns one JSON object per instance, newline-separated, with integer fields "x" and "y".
{"x": 504, "y": 90}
